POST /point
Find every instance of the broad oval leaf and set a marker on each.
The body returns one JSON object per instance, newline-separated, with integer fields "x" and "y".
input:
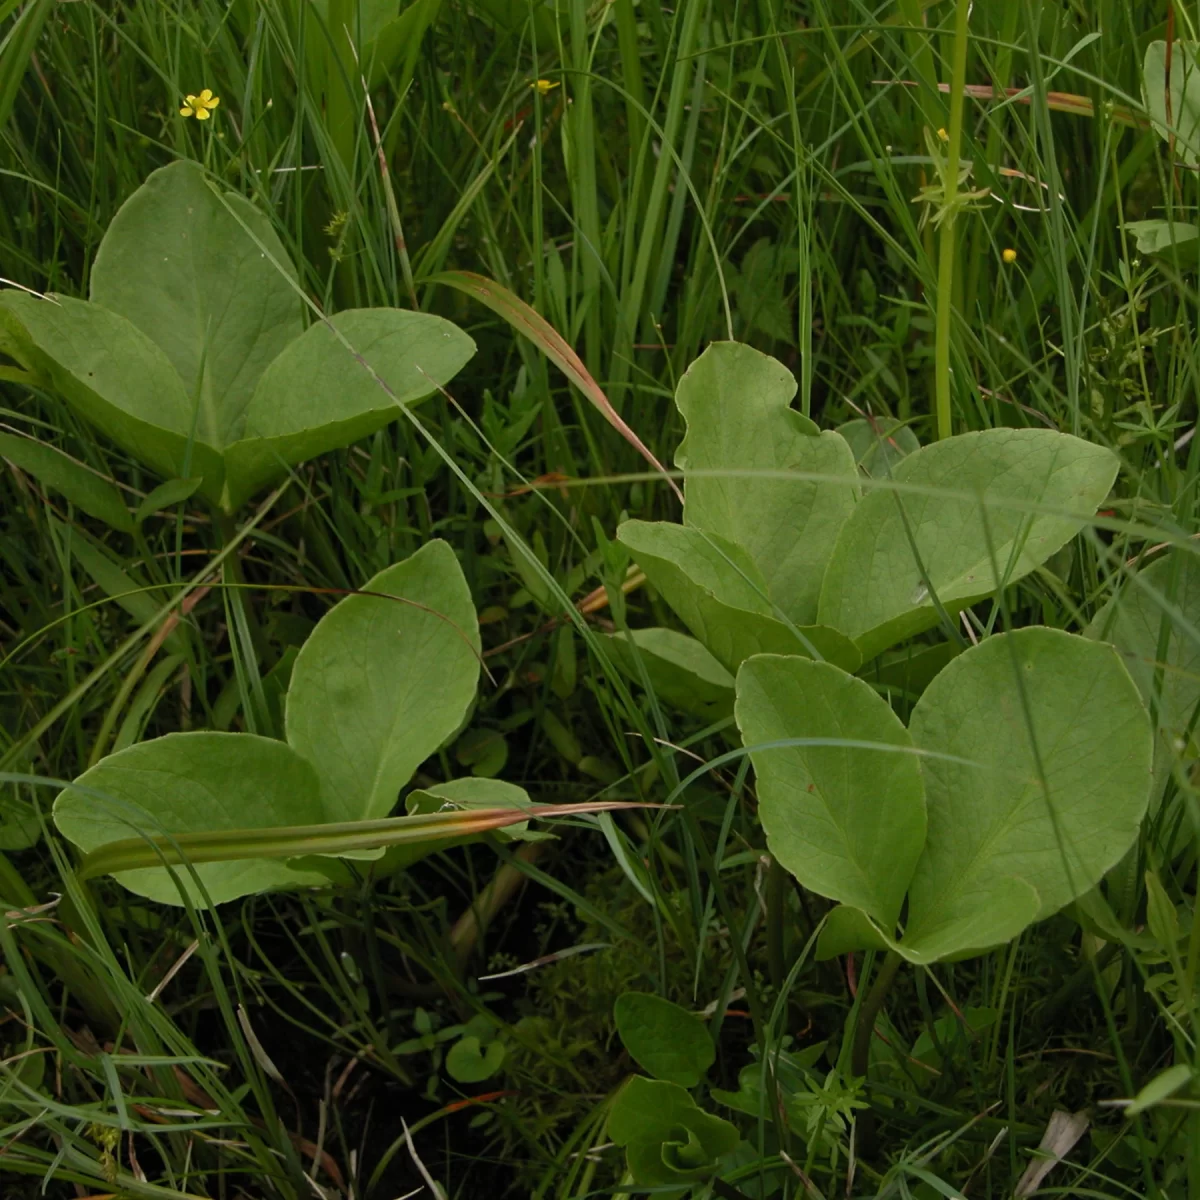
{"x": 1015, "y": 706}
{"x": 318, "y": 395}
{"x": 845, "y": 812}
{"x": 113, "y": 376}
{"x": 664, "y": 1039}
{"x": 720, "y": 595}
{"x": 201, "y": 272}
{"x": 1154, "y": 623}
{"x": 875, "y": 590}
{"x": 737, "y": 404}
{"x": 678, "y": 668}
{"x": 194, "y": 783}
{"x": 384, "y": 680}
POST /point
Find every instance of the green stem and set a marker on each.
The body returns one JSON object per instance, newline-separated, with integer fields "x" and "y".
{"x": 860, "y": 1054}
{"x": 868, "y": 1014}
{"x": 241, "y": 609}
{"x": 947, "y": 242}
{"x": 777, "y": 892}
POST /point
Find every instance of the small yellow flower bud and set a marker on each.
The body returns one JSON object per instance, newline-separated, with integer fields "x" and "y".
{"x": 1009, "y": 255}
{"x": 544, "y": 86}
{"x": 943, "y": 136}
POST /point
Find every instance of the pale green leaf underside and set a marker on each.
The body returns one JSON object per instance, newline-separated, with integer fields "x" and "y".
{"x": 1164, "y": 599}
{"x": 720, "y": 595}
{"x": 875, "y": 591}
{"x": 848, "y": 821}
{"x": 736, "y": 401}
{"x": 194, "y": 783}
{"x": 682, "y": 673}
{"x": 381, "y": 682}
{"x": 990, "y": 818}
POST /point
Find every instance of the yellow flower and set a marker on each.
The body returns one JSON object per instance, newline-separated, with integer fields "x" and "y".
{"x": 200, "y": 106}
{"x": 544, "y": 86}
{"x": 943, "y": 136}
{"x": 1009, "y": 255}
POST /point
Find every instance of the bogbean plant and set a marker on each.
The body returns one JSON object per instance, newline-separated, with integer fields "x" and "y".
{"x": 192, "y": 355}
{"x": 824, "y": 600}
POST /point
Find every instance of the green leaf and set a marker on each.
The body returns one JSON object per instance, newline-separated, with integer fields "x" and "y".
{"x": 180, "y": 261}
{"x": 1183, "y": 125}
{"x": 194, "y": 782}
{"x": 664, "y": 1039}
{"x": 317, "y": 395}
{"x": 736, "y": 402}
{"x": 845, "y": 813}
{"x": 191, "y": 355}
{"x": 953, "y": 1032}
{"x": 166, "y": 495}
{"x": 720, "y": 595}
{"x": 467, "y": 1061}
{"x": 1000, "y": 830}
{"x": 140, "y": 603}
{"x": 875, "y": 591}
{"x": 682, "y": 673}
{"x": 16, "y": 51}
{"x": 1154, "y": 623}
{"x": 1173, "y": 240}
{"x": 113, "y": 376}
{"x": 879, "y": 443}
{"x": 85, "y": 489}
{"x": 1162, "y": 1087}
{"x": 381, "y": 683}
{"x": 848, "y": 929}
{"x": 393, "y": 51}
{"x": 667, "y": 1137}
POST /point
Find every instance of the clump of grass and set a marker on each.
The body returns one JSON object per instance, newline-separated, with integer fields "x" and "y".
{"x": 698, "y": 172}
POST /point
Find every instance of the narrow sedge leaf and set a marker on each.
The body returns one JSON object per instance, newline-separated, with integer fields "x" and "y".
{"x": 335, "y": 838}
{"x": 528, "y": 322}
{"x": 82, "y": 487}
